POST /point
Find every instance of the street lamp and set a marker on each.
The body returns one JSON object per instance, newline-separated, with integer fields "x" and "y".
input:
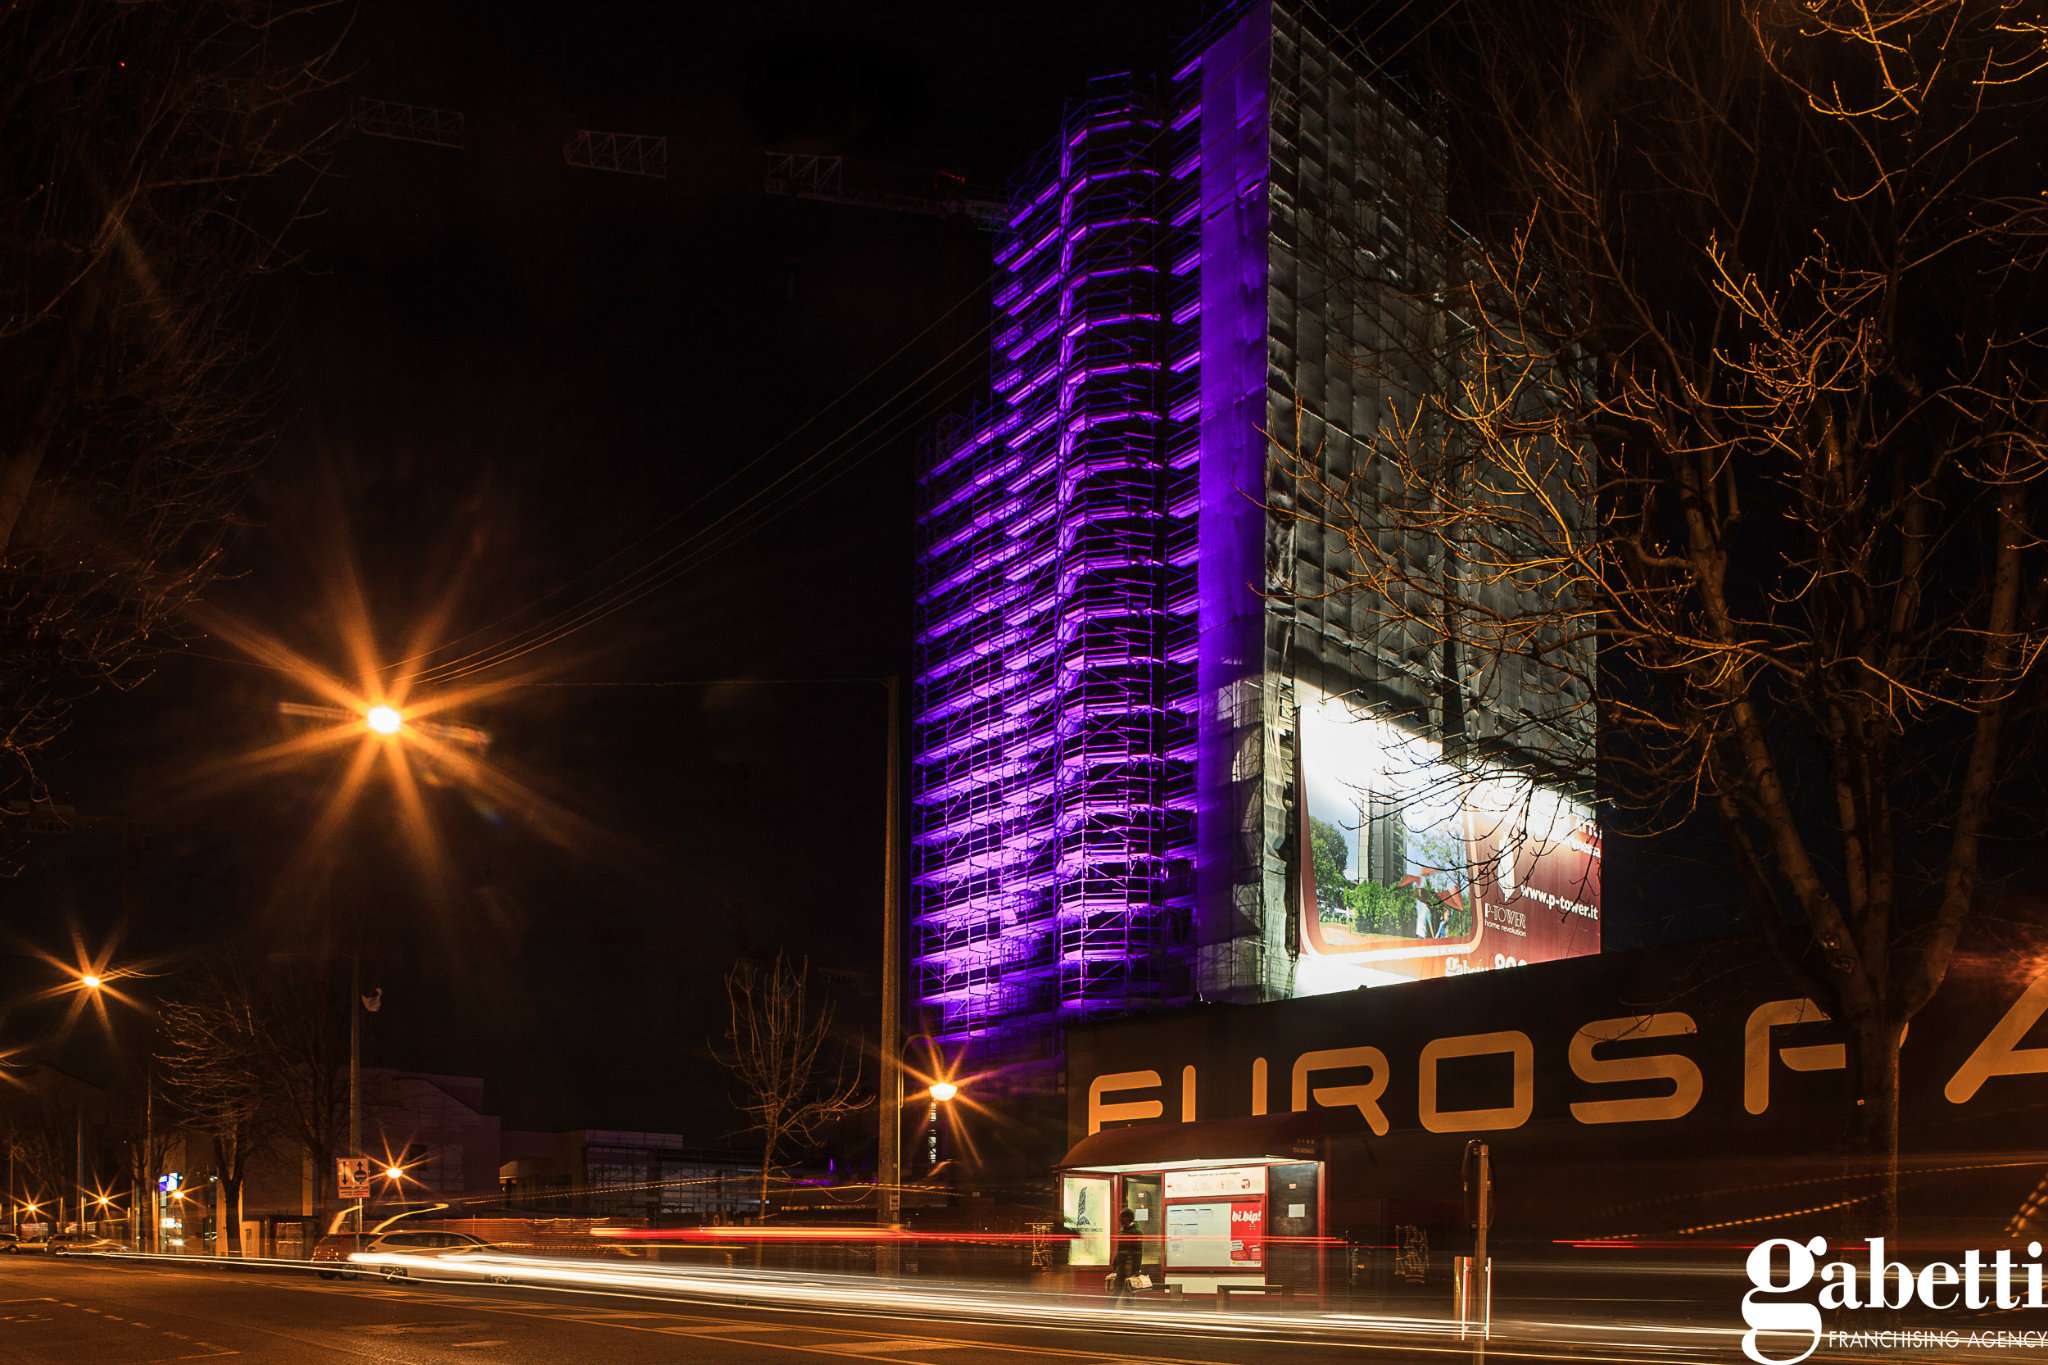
{"x": 90, "y": 981}
{"x": 943, "y": 1092}
{"x": 385, "y": 720}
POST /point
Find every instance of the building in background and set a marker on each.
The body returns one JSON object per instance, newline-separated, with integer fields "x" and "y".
{"x": 609, "y": 1173}
{"x": 433, "y": 1127}
{"x": 56, "y": 1132}
{"x": 1159, "y": 755}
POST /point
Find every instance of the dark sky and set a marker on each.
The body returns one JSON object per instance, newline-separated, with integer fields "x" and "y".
{"x": 530, "y": 380}
{"x": 537, "y": 378}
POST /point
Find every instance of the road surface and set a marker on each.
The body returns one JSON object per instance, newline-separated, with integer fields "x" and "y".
{"x": 110, "y": 1312}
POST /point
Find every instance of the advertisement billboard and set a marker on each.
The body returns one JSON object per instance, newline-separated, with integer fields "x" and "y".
{"x": 1413, "y": 866}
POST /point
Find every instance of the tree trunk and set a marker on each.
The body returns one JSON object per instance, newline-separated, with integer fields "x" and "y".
{"x": 1874, "y": 1045}
{"x": 761, "y": 1216}
{"x": 323, "y": 1173}
{"x": 230, "y": 1235}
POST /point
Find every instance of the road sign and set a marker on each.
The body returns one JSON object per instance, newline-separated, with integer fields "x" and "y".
{"x": 353, "y": 1176}
{"x": 170, "y": 1182}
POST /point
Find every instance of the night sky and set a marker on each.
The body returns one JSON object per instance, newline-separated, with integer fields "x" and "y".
{"x": 530, "y": 380}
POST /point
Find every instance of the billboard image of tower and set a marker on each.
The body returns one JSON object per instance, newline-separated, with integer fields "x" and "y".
{"x": 1158, "y": 755}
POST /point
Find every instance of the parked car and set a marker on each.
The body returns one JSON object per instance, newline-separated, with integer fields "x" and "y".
{"x": 35, "y": 1239}
{"x": 337, "y": 1247}
{"x": 7, "y": 1241}
{"x": 83, "y": 1243}
{"x": 430, "y": 1244}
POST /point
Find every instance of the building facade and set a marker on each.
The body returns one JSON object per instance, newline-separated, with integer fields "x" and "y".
{"x": 610, "y": 1173}
{"x": 1137, "y": 670}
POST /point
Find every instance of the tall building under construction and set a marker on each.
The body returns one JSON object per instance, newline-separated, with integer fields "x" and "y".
{"x": 1130, "y": 660}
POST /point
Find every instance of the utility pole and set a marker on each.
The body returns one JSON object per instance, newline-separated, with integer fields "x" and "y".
{"x": 889, "y": 1154}
{"x": 78, "y": 1157}
{"x": 1475, "y": 1299}
{"x": 355, "y": 1059}
{"x": 149, "y": 1188}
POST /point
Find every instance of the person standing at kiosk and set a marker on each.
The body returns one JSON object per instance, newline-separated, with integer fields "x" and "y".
{"x": 1126, "y": 1275}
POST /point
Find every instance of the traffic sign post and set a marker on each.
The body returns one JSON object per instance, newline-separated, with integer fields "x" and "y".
{"x": 352, "y": 1177}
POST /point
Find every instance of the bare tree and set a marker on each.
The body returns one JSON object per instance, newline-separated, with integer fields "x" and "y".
{"x": 214, "y": 1067}
{"x": 302, "y": 1052}
{"x": 1731, "y": 427}
{"x": 152, "y": 155}
{"x": 38, "y": 1145}
{"x": 775, "y": 1043}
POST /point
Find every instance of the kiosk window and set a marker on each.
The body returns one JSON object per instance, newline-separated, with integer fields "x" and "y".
{"x": 1084, "y": 1206}
{"x": 1216, "y": 1234}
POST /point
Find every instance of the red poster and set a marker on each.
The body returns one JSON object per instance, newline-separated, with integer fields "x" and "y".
{"x": 1247, "y": 1231}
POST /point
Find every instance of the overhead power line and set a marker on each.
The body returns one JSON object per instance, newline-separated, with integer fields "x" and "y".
{"x": 664, "y": 567}
{"x": 824, "y": 467}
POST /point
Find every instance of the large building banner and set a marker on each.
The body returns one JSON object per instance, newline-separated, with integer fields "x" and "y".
{"x": 1706, "y": 1058}
{"x": 1413, "y": 867}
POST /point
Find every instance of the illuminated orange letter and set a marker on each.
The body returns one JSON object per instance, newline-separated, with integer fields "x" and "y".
{"x": 1997, "y": 1055}
{"x": 1756, "y": 1049}
{"x": 1126, "y": 1111}
{"x": 1365, "y": 1098}
{"x": 1682, "y": 1072}
{"x": 1515, "y": 1044}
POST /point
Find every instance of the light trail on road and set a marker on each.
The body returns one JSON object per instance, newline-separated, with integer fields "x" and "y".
{"x": 858, "y": 1294}
{"x": 1537, "y": 1336}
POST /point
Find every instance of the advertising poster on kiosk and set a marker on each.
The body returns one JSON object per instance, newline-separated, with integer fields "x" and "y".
{"x": 1216, "y": 1218}
{"x": 1412, "y": 866}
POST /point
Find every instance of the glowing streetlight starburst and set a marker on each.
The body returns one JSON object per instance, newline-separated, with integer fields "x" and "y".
{"x": 943, "y": 1085}
{"x": 86, "y": 980}
{"x": 389, "y": 719}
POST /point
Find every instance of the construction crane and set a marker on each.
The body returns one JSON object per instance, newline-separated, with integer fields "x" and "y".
{"x": 944, "y": 194}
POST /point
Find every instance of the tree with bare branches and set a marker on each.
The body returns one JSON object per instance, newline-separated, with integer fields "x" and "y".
{"x": 153, "y": 154}
{"x": 1730, "y": 429}
{"x": 214, "y": 1063}
{"x": 36, "y": 1143}
{"x": 302, "y": 1059}
{"x": 776, "y": 1041}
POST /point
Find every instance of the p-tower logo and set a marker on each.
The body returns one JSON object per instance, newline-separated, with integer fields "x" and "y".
{"x": 1790, "y": 1285}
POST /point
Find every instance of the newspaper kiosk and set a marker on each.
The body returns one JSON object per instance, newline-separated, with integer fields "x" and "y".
{"x": 1222, "y": 1207}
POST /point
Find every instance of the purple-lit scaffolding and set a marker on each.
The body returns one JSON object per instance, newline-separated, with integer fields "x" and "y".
{"x": 1052, "y": 783}
{"x": 1116, "y": 609}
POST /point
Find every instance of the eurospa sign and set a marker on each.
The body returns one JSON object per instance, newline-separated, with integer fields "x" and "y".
{"x": 1707, "y": 1039}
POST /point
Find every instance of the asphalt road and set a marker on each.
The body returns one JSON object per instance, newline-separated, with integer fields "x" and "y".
{"x": 110, "y": 1312}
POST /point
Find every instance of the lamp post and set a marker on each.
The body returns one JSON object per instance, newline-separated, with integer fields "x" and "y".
{"x": 384, "y": 720}
{"x": 97, "y": 980}
{"x": 889, "y": 1150}
{"x": 90, "y": 982}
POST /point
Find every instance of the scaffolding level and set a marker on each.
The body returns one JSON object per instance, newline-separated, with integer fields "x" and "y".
{"x": 1052, "y": 779}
